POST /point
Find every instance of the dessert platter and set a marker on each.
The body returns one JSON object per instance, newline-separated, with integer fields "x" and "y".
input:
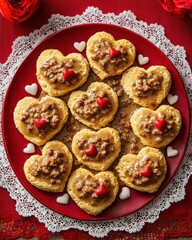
{"x": 93, "y": 121}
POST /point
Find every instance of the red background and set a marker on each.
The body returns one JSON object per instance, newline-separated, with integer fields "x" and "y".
{"x": 177, "y": 220}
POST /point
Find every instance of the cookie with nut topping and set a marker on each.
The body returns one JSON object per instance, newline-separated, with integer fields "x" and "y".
{"x": 156, "y": 128}
{"x": 94, "y": 107}
{"x": 147, "y": 88}
{"x": 144, "y": 172}
{"x": 93, "y": 192}
{"x": 38, "y": 120}
{"x": 50, "y": 171}
{"x": 58, "y": 74}
{"x": 97, "y": 149}
{"x": 107, "y": 56}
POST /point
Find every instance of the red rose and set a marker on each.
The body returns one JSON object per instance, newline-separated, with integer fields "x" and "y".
{"x": 180, "y": 7}
{"x": 18, "y": 10}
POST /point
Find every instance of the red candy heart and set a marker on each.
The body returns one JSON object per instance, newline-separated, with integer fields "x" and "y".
{"x": 102, "y": 102}
{"x": 102, "y": 190}
{"x": 147, "y": 172}
{"x": 68, "y": 74}
{"x": 40, "y": 123}
{"x": 113, "y": 53}
{"x": 160, "y": 124}
{"x": 91, "y": 151}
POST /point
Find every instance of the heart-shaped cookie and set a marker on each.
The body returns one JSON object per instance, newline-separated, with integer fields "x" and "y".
{"x": 58, "y": 74}
{"x": 143, "y": 172}
{"x": 40, "y": 120}
{"x": 156, "y": 128}
{"x": 50, "y": 171}
{"x": 96, "y": 107}
{"x": 97, "y": 150}
{"x": 148, "y": 88}
{"x": 92, "y": 193}
{"x": 108, "y": 57}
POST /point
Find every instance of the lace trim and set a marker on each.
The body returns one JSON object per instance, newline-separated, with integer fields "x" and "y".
{"x": 26, "y": 205}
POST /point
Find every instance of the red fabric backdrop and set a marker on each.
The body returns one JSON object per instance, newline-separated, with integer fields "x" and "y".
{"x": 174, "y": 222}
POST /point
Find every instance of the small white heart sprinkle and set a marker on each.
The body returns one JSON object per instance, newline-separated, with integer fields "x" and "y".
{"x": 63, "y": 199}
{"x": 125, "y": 193}
{"x": 80, "y": 46}
{"x": 142, "y": 60}
{"x": 171, "y": 152}
{"x": 31, "y": 89}
{"x": 172, "y": 99}
{"x": 29, "y": 149}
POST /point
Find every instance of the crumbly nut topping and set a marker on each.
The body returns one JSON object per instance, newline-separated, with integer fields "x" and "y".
{"x": 88, "y": 108}
{"x": 52, "y": 167}
{"x": 134, "y": 172}
{"x": 147, "y": 84}
{"x": 52, "y": 69}
{"x": 101, "y": 54}
{"x": 46, "y": 111}
{"x": 104, "y": 145}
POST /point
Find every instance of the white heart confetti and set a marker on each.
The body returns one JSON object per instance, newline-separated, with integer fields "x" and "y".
{"x": 142, "y": 60}
{"x": 171, "y": 152}
{"x": 80, "y": 46}
{"x": 29, "y": 149}
{"x": 172, "y": 99}
{"x": 125, "y": 193}
{"x": 63, "y": 199}
{"x": 31, "y": 89}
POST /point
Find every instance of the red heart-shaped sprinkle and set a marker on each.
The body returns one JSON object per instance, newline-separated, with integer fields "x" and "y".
{"x": 160, "y": 124}
{"x": 40, "y": 123}
{"x": 102, "y": 190}
{"x": 113, "y": 53}
{"x": 91, "y": 151}
{"x": 68, "y": 74}
{"x": 147, "y": 172}
{"x": 102, "y": 102}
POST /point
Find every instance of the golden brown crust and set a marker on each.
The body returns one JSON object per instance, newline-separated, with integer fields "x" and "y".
{"x": 154, "y": 93}
{"x": 80, "y": 66}
{"x": 143, "y": 125}
{"x": 95, "y": 65}
{"x": 97, "y": 163}
{"x": 103, "y": 120}
{"x": 85, "y": 203}
{"x": 135, "y": 162}
{"x": 42, "y": 182}
{"x": 28, "y": 102}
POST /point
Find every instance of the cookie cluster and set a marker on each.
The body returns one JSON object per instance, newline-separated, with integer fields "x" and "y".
{"x": 100, "y": 121}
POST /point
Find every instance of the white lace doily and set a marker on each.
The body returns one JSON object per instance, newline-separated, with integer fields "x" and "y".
{"x": 26, "y": 205}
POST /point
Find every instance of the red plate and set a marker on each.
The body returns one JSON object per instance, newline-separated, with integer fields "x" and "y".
{"x": 25, "y": 75}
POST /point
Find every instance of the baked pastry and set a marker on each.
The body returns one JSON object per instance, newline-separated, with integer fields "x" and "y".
{"x": 148, "y": 88}
{"x": 92, "y": 193}
{"x": 108, "y": 57}
{"x": 96, "y": 107}
{"x": 156, "y": 128}
{"x": 39, "y": 120}
{"x": 58, "y": 74}
{"x": 97, "y": 150}
{"x": 50, "y": 171}
{"x": 144, "y": 172}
